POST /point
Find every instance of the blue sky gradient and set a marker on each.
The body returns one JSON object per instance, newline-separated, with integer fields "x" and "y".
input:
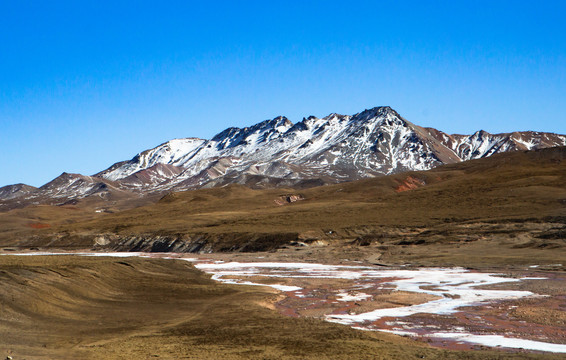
{"x": 84, "y": 84}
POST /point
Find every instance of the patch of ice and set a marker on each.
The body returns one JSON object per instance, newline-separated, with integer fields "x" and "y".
{"x": 356, "y": 296}
{"x": 502, "y": 341}
{"x": 456, "y": 288}
{"x": 239, "y": 282}
{"x": 459, "y": 292}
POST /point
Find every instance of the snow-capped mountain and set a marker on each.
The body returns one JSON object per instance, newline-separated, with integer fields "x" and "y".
{"x": 335, "y": 148}
{"x": 13, "y": 191}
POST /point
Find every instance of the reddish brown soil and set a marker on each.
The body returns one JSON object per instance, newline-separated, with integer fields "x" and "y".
{"x": 409, "y": 183}
{"x": 39, "y": 225}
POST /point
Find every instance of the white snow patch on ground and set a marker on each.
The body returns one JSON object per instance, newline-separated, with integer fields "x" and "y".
{"x": 456, "y": 288}
{"x": 240, "y": 282}
{"x": 353, "y": 296}
{"x": 486, "y": 340}
{"x": 502, "y": 341}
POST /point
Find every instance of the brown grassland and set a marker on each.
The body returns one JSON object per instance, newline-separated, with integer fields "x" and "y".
{"x": 509, "y": 209}
{"x": 505, "y": 212}
{"x": 110, "y": 308}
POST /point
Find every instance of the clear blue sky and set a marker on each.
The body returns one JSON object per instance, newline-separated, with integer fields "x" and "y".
{"x": 84, "y": 84}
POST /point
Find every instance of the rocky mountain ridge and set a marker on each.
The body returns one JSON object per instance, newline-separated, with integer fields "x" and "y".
{"x": 276, "y": 152}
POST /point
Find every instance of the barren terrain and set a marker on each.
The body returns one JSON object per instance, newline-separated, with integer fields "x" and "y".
{"x": 122, "y": 308}
{"x": 504, "y": 215}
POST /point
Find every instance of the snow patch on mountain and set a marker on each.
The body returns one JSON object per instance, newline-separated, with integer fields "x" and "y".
{"x": 334, "y": 148}
{"x": 13, "y": 191}
{"x": 337, "y": 147}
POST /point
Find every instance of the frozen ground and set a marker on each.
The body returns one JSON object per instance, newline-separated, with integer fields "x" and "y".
{"x": 455, "y": 289}
{"x": 452, "y": 290}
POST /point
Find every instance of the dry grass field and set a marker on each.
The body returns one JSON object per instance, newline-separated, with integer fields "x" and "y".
{"x": 506, "y": 212}
{"x": 70, "y": 307}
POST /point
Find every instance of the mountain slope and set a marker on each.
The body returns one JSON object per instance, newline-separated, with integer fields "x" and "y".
{"x": 277, "y": 152}
{"x": 335, "y": 148}
{"x": 13, "y": 191}
{"x": 509, "y": 208}
{"x": 69, "y": 189}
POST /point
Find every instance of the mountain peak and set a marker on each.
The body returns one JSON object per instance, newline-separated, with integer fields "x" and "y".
{"x": 12, "y": 191}
{"x": 378, "y": 111}
{"x": 372, "y": 142}
{"x": 276, "y": 123}
{"x": 335, "y": 148}
{"x": 481, "y": 133}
